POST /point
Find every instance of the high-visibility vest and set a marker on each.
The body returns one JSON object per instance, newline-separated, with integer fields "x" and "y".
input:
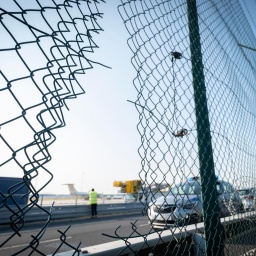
{"x": 93, "y": 198}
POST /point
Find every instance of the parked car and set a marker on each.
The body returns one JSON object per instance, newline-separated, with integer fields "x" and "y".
{"x": 248, "y": 196}
{"x": 183, "y": 204}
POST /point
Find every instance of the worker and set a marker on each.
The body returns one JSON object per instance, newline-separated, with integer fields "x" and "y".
{"x": 93, "y": 203}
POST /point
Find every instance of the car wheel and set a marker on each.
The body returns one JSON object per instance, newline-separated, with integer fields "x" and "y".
{"x": 193, "y": 219}
{"x": 241, "y": 208}
{"x": 224, "y": 209}
{"x": 197, "y": 218}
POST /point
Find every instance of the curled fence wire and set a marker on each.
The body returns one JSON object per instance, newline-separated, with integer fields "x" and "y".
{"x": 196, "y": 95}
{"x": 44, "y": 47}
{"x": 196, "y": 98}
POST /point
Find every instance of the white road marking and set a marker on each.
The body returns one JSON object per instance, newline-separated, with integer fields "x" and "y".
{"x": 144, "y": 225}
{"x": 61, "y": 226}
{"x": 41, "y": 242}
{"x": 55, "y": 228}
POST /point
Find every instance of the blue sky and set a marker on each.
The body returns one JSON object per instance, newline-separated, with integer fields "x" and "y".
{"x": 105, "y": 138}
{"x": 100, "y": 141}
{"x": 99, "y": 144}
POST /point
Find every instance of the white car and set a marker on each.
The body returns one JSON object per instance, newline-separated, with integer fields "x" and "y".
{"x": 183, "y": 204}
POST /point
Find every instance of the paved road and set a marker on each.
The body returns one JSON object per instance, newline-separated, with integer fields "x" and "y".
{"x": 88, "y": 231}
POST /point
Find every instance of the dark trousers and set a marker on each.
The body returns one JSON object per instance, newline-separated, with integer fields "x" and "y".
{"x": 94, "y": 209}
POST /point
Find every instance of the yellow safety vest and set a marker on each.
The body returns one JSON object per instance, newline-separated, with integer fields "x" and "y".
{"x": 93, "y": 198}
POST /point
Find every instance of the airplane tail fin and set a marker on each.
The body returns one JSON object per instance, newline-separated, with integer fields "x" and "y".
{"x": 72, "y": 189}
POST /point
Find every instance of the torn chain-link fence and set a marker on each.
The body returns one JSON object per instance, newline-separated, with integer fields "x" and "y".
{"x": 195, "y": 82}
{"x": 45, "y": 46}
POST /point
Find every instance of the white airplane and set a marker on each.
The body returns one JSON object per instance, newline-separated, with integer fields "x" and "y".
{"x": 74, "y": 192}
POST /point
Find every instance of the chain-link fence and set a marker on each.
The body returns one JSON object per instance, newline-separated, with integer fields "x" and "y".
{"x": 44, "y": 47}
{"x": 195, "y": 63}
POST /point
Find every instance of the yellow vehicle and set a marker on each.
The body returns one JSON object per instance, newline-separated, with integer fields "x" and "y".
{"x": 129, "y": 186}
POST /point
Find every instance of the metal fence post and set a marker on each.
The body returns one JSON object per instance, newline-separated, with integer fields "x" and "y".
{"x": 212, "y": 227}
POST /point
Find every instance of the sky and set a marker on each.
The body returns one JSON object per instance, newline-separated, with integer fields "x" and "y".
{"x": 249, "y": 7}
{"x": 99, "y": 144}
{"x": 104, "y": 142}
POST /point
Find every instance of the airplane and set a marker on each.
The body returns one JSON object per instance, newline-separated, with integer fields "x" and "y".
{"x": 74, "y": 192}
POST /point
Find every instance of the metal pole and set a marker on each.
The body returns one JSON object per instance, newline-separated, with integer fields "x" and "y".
{"x": 213, "y": 230}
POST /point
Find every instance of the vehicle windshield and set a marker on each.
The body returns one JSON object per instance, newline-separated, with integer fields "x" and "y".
{"x": 187, "y": 188}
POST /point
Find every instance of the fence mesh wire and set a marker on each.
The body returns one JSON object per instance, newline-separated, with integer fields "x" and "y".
{"x": 172, "y": 155}
{"x": 44, "y": 47}
{"x": 172, "y": 121}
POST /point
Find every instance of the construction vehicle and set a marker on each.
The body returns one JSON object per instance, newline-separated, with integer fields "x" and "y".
{"x": 129, "y": 186}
